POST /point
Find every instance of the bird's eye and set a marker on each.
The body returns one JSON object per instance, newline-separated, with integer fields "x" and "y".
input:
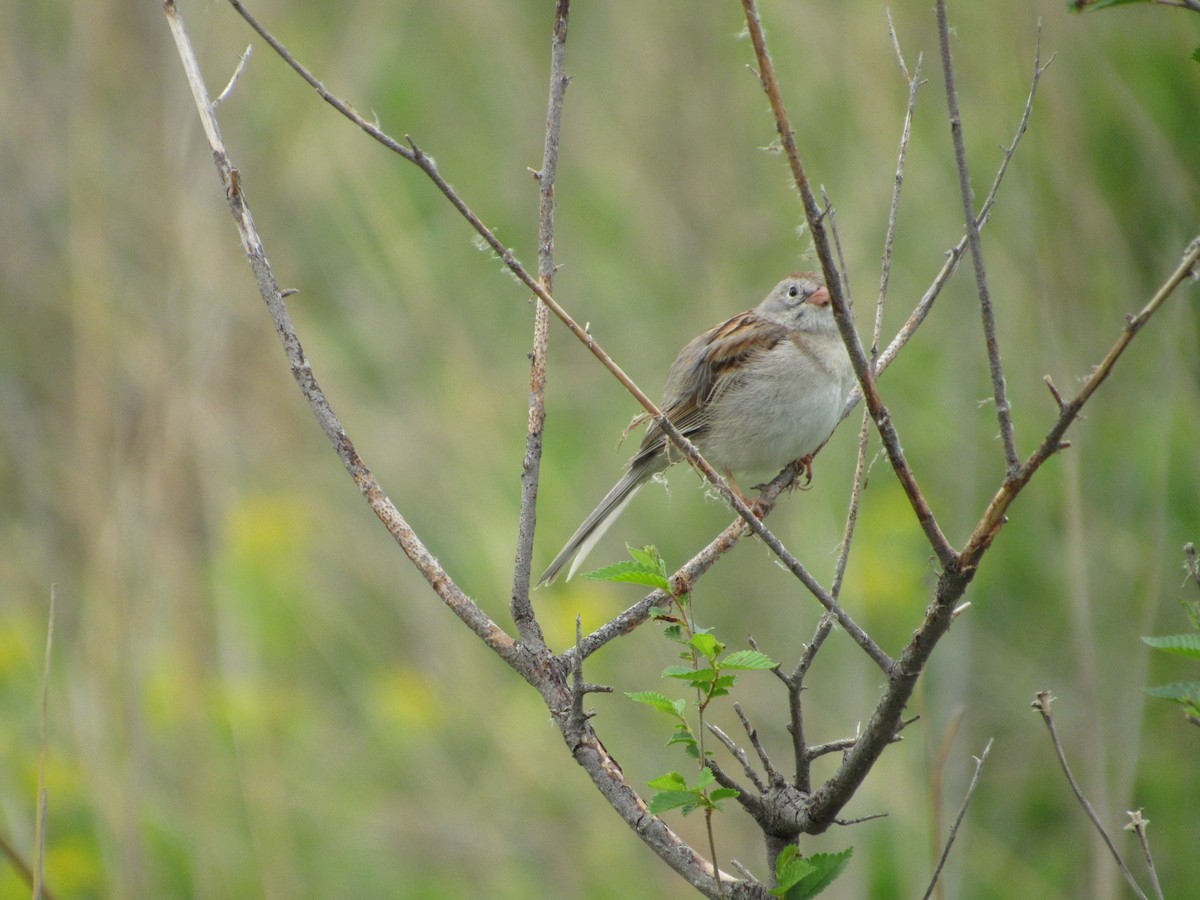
{"x": 794, "y": 291}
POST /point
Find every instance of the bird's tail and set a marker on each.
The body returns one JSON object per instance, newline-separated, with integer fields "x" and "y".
{"x": 589, "y": 533}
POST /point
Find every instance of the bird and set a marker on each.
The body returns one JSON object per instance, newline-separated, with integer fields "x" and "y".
{"x": 754, "y": 393}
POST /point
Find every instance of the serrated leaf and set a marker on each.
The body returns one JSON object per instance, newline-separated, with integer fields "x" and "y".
{"x": 665, "y": 800}
{"x": 1185, "y": 692}
{"x": 674, "y": 632}
{"x": 790, "y": 867}
{"x": 828, "y": 867}
{"x": 683, "y": 735}
{"x": 748, "y": 659}
{"x": 705, "y": 778}
{"x": 698, "y": 679}
{"x": 672, "y": 781}
{"x": 661, "y": 702}
{"x": 716, "y": 796}
{"x": 648, "y": 557}
{"x": 678, "y": 672}
{"x": 630, "y": 573}
{"x": 1182, "y": 644}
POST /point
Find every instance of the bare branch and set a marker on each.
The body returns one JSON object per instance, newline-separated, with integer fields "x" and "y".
{"x": 914, "y": 85}
{"x": 740, "y": 755}
{"x": 1003, "y": 411}
{"x": 522, "y": 611}
{"x": 752, "y": 733}
{"x": 1042, "y": 703}
{"x": 921, "y": 310}
{"x": 962, "y": 811}
{"x": 1137, "y": 824}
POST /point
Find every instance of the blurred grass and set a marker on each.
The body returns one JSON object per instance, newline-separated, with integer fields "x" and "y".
{"x": 254, "y": 695}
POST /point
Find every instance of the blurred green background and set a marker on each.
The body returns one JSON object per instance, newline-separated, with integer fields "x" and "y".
{"x": 254, "y": 694}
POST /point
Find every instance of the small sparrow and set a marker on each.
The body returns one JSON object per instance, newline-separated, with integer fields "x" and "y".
{"x": 755, "y": 393}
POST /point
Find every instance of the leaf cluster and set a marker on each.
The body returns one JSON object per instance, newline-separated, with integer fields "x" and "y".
{"x": 1185, "y": 693}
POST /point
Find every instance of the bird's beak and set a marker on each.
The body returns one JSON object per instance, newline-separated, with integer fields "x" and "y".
{"x": 820, "y": 297}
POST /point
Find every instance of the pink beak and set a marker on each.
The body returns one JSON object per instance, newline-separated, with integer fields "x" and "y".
{"x": 820, "y": 297}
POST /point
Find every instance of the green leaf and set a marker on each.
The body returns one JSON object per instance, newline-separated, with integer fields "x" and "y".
{"x": 672, "y": 781}
{"x": 678, "y": 672}
{"x": 661, "y": 702}
{"x": 720, "y": 794}
{"x": 824, "y": 868}
{"x": 708, "y": 646}
{"x": 683, "y": 735}
{"x": 748, "y": 659}
{"x": 724, "y": 682}
{"x": 698, "y": 679}
{"x": 1196, "y": 54}
{"x": 1183, "y": 644}
{"x": 648, "y": 557}
{"x": 790, "y": 867}
{"x": 665, "y": 800}
{"x": 1184, "y": 692}
{"x": 705, "y": 778}
{"x": 630, "y": 573}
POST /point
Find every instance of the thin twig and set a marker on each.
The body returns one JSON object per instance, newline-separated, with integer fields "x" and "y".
{"x": 740, "y": 755}
{"x": 1000, "y": 392}
{"x": 962, "y": 811}
{"x": 1042, "y": 703}
{"x": 954, "y": 255}
{"x": 522, "y": 610}
{"x": 1137, "y": 824}
{"x": 842, "y": 744}
{"x": 887, "y": 10}
{"x": 752, "y": 733}
{"x": 237, "y": 73}
{"x": 914, "y": 85}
